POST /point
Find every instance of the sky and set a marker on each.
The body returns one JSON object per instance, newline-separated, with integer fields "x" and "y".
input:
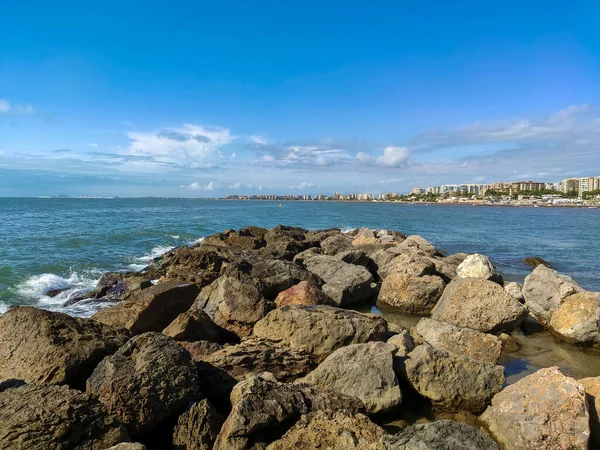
{"x": 206, "y": 99}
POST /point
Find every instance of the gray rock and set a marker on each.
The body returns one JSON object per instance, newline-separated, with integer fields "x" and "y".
{"x": 48, "y": 417}
{"x": 479, "y": 304}
{"x": 453, "y": 382}
{"x": 364, "y": 371}
{"x": 409, "y": 263}
{"x": 478, "y": 266}
{"x": 198, "y": 427}
{"x": 277, "y": 275}
{"x": 145, "y": 381}
{"x": 515, "y": 290}
{"x": 544, "y": 291}
{"x": 463, "y": 341}
{"x": 543, "y": 410}
{"x": 410, "y": 294}
{"x": 336, "y": 244}
{"x": 345, "y": 283}
{"x": 403, "y": 343}
{"x": 320, "y": 330}
{"x": 440, "y": 435}
{"x": 447, "y": 266}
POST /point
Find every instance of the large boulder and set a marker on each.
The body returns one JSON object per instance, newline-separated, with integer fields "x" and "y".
{"x": 478, "y": 304}
{"x": 40, "y": 346}
{"x": 255, "y": 355}
{"x": 151, "y": 309}
{"x": 336, "y": 244}
{"x": 320, "y": 330}
{"x": 408, "y": 263}
{"x": 189, "y": 265}
{"x": 331, "y": 430}
{"x": 55, "y": 418}
{"x": 478, "y": 266}
{"x": 463, "y": 341}
{"x": 285, "y": 242}
{"x": 145, "y": 381}
{"x": 410, "y": 294}
{"x": 303, "y": 294}
{"x": 194, "y": 325}
{"x": 440, "y": 435}
{"x": 447, "y": 266}
{"x": 234, "y": 304}
{"x": 345, "y": 284}
{"x": 364, "y": 371}
{"x": 365, "y": 236}
{"x": 420, "y": 244}
{"x": 543, "y": 410}
{"x": 277, "y": 275}
{"x": 544, "y": 291}
{"x": 451, "y": 381}
{"x": 198, "y": 427}
{"x": 265, "y": 409}
{"x": 577, "y": 320}
{"x": 592, "y": 393}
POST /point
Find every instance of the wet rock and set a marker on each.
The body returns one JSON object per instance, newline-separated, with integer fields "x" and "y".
{"x": 578, "y": 319}
{"x": 592, "y": 393}
{"x": 267, "y": 410}
{"x": 148, "y": 379}
{"x": 544, "y": 291}
{"x": 364, "y": 371}
{"x": 303, "y": 294}
{"x": 320, "y": 330}
{"x": 151, "y": 309}
{"x": 54, "y": 292}
{"x": 40, "y": 346}
{"x": 463, "y": 341}
{"x": 198, "y": 427}
{"x": 535, "y": 261}
{"x": 543, "y": 410}
{"x": 55, "y": 418}
{"x": 194, "y": 325}
{"x": 478, "y": 266}
{"x": 410, "y": 294}
{"x": 345, "y": 284}
{"x": 331, "y": 430}
{"x": 478, "y": 304}
{"x": 336, "y": 244}
{"x": 440, "y": 435}
{"x": 233, "y": 304}
{"x": 255, "y": 355}
{"x": 451, "y": 381}
{"x": 414, "y": 264}
{"x": 515, "y": 290}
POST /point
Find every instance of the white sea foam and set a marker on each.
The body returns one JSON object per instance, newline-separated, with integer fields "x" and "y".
{"x": 142, "y": 261}
{"x": 36, "y": 286}
{"x": 3, "y": 308}
{"x": 347, "y": 229}
{"x": 175, "y": 236}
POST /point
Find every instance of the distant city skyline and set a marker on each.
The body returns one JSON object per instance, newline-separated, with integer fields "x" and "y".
{"x": 239, "y": 98}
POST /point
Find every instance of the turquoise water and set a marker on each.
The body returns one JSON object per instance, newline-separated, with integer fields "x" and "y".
{"x": 51, "y": 243}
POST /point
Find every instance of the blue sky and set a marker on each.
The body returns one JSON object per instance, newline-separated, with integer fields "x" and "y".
{"x": 215, "y": 98}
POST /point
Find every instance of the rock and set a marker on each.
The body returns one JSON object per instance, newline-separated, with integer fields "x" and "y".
{"x": 55, "y": 418}
{"x": 543, "y": 410}
{"x": 250, "y": 384}
{"x": 409, "y": 264}
{"x": 478, "y": 266}
{"x": 194, "y": 325}
{"x": 145, "y": 381}
{"x": 365, "y": 236}
{"x": 440, "y": 435}
{"x": 39, "y": 346}
{"x": 356, "y": 257}
{"x": 535, "y": 261}
{"x": 199, "y": 349}
{"x": 394, "y": 236}
{"x": 268, "y": 409}
{"x": 187, "y": 264}
{"x": 345, "y": 283}
{"x": 255, "y": 355}
{"x": 578, "y": 318}
{"x": 447, "y": 266}
{"x": 10, "y": 384}
{"x": 418, "y": 243}
{"x": 198, "y": 427}
{"x": 54, "y": 292}
{"x": 300, "y": 257}
{"x": 333, "y": 430}
{"x": 336, "y": 244}
{"x": 410, "y": 294}
{"x": 403, "y": 344}
{"x": 319, "y": 330}
{"x": 478, "y": 304}
{"x": 303, "y": 294}
{"x": 233, "y": 304}
{"x": 277, "y": 275}
{"x": 285, "y": 242}
{"x": 151, "y": 309}
{"x": 515, "y": 290}
{"x": 451, "y": 381}
{"x": 364, "y": 371}
{"x": 592, "y": 393}
{"x": 463, "y": 341}
{"x": 128, "y": 446}
{"x": 544, "y": 291}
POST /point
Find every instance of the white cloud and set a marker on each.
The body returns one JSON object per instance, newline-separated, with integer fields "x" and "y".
{"x": 6, "y": 107}
{"x": 93, "y": 145}
{"x": 303, "y": 185}
{"x": 233, "y": 155}
{"x": 364, "y": 158}
{"x": 196, "y": 186}
{"x": 258, "y": 140}
{"x": 394, "y": 157}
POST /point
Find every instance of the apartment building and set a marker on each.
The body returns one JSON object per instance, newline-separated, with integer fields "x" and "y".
{"x": 570, "y": 185}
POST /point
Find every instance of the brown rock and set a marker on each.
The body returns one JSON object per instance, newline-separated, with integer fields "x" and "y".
{"x": 193, "y": 325}
{"x": 418, "y": 243}
{"x": 151, "y": 309}
{"x": 543, "y": 410}
{"x": 199, "y": 349}
{"x": 578, "y": 318}
{"x": 409, "y": 263}
{"x": 478, "y": 304}
{"x": 592, "y": 393}
{"x": 303, "y": 294}
{"x": 410, "y": 294}
{"x": 40, "y": 346}
{"x": 198, "y": 427}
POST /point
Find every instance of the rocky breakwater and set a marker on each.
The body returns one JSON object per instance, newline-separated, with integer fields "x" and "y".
{"x": 252, "y": 340}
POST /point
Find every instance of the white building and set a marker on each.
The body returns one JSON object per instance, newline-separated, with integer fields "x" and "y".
{"x": 586, "y": 184}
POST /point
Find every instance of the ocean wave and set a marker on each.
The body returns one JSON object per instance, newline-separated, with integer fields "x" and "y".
{"x": 36, "y": 286}
{"x": 3, "y": 308}
{"x": 141, "y": 262}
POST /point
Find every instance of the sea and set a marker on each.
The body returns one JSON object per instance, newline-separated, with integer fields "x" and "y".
{"x": 50, "y": 243}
